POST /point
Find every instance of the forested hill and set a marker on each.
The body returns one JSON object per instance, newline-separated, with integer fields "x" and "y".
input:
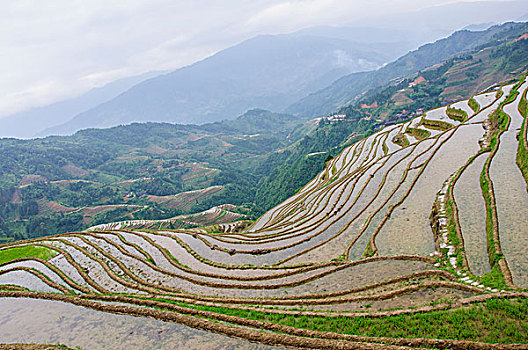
{"x": 349, "y": 88}
{"x": 59, "y": 184}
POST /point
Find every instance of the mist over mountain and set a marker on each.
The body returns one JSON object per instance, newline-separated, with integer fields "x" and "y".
{"x": 479, "y": 26}
{"x": 30, "y": 123}
{"x": 266, "y": 72}
{"x": 434, "y": 22}
{"x": 523, "y": 18}
{"x": 272, "y": 71}
{"x": 348, "y": 88}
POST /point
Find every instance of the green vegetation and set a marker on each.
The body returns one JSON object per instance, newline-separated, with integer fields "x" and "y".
{"x": 486, "y": 191}
{"x": 295, "y": 247}
{"x": 418, "y": 133}
{"x": 297, "y": 169}
{"x": 452, "y": 233}
{"x": 523, "y": 105}
{"x": 510, "y": 56}
{"x": 456, "y": 114}
{"x": 494, "y": 321}
{"x": 472, "y": 71}
{"x": 494, "y": 278}
{"x": 522, "y": 150}
{"x": 473, "y": 104}
{"x": 400, "y": 140}
{"x": 436, "y": 124}
{"x": 459, "y": 77}
{"x": 499, "y": 122}
{"x": 61, "y": 184}
{"x": 522, "y": 154}
{"x": 9, "y": 254}
{"x": 368, "y": 251}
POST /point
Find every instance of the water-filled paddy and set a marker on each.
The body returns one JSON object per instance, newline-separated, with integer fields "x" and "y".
{"x": 472, "y": 216}
{"x": 51, "y": 322}
{"x": 512, "y": 200}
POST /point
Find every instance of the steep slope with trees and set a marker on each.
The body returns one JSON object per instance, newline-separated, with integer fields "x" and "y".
{"x": 349, "y": 88}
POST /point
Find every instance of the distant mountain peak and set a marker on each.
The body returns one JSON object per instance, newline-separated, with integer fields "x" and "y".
{"x": 479, "y": 26}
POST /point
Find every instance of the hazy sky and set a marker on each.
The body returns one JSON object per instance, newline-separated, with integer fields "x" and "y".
{"x": 54, "y": 49}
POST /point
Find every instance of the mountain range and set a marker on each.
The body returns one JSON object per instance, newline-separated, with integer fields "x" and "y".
{"x": 31, "y": 123}
{"x": 288, "y": 72}
{"x": 267, "y": 71}
{"x": 348, "y": 88}
{"x": 256, "y": 160}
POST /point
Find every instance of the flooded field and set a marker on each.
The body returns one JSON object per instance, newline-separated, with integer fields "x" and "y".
{"x": 512, "y": 199}
{"x": 52, "y": 322}
{"x": 472, "y": 216}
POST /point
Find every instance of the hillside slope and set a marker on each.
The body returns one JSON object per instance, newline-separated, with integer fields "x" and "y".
{"x": 455, "y": 79}
{"x": 139, "y": 171}
{"x": 258, "y": 160}
{"x": 413, "y": 237}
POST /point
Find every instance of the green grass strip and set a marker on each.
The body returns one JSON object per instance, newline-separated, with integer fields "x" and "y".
{"x": 9, "y": 254}
{"x": 522, "y": 149}
{"x": 400, "y": 140}
{"x": 474, "y": 105}
{"x": 418, "y": 134}
{"x": 493, "y": 321}
{"x": 456, "y": 114}
{"x": 436, "y": 124}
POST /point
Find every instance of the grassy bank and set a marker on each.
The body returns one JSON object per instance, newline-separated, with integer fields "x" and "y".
{"x": 456, "y": 114}
{"x": 9, "y": 254}
{"x": 522, "y": 150}
{"x": 494, "y": 321}
{"x": 473, "y": 104}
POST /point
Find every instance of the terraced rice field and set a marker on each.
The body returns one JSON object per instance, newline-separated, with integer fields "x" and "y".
{"x": 472, "y": 216}
{"x": 388, "y": 233}
{"x": 62, "y": 323}
{"x": 511, "y": 197}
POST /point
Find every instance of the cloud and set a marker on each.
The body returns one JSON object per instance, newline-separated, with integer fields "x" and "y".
{"x": 292, "y": 15}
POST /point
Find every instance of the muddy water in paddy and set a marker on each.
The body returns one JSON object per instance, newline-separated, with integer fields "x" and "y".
{"x": 27, "y": 280}
{"x": 336, "y": 246}
{"x": 42, "y": 321}
{"x": 365, "y": 153}
{"x": 472, "y": 215}
{"x": 408, "y": 230}
{"x": 40, "y": 267}
{"x": 485, "y": 99}
{"x": 512, "y": 200}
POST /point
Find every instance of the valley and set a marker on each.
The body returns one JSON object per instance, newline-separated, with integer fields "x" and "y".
{"x": 378, "y": 250}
